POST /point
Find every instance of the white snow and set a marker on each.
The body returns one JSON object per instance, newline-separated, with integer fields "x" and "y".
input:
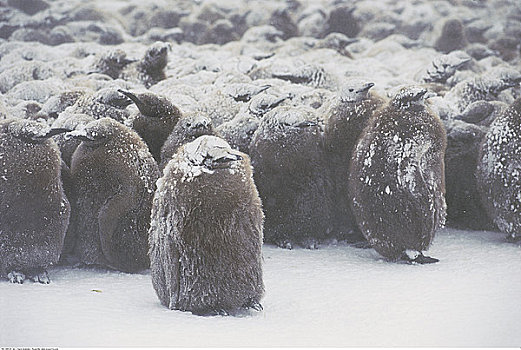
{"x": 334, "y": 296}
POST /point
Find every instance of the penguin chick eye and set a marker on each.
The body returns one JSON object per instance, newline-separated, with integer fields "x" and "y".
{"x": 351, "y": 90}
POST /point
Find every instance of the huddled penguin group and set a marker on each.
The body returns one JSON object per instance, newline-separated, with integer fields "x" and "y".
{"x": 182, "y": 146}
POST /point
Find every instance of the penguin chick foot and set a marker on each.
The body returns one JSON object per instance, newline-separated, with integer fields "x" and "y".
{"x": 40, "y": 276}
{"x": 285, "y": 244}
{"x": 513, "y": 238}
{"x": 16, "y": 277}
{"x": 310, "y": 243}
{"x": 221, "y": 312}
{"x": 416, "y": 257}
{"x": 255, "y": 305}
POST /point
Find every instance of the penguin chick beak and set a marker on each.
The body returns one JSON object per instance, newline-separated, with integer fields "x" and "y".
{"x": 306, "y": 124}
{"x": 79, "y": 135}
{"x": 228, "y": 158}
{"x": 366, "y": 87}
{"x": 134, "y": 99}
{"x": 51, "y": 133}
{"x": 420, "y": 95}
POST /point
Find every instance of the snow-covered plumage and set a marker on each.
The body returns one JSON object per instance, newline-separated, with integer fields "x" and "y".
{"x": 499, "y": 171}
{"x": 114, "y": 176}
{"x": 206, "y": 231}
{"x": 34, "y": 212}
{"x": 397, "y": 176}
{"x": 346, "y": 117}
{"x": 292, "y": 176}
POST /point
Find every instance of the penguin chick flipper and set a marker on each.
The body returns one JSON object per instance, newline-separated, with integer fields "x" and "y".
{"x": 110, "y": 215}
{"x": 39, "y": 275}
{"x": 16, "y": 277}
{"x": 164, "y": 265}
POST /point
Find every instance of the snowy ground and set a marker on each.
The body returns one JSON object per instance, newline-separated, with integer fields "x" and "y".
{"x": 334, "y": 296}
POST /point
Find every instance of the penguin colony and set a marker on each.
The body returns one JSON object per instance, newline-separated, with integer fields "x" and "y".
{"x": 124, "y": 147}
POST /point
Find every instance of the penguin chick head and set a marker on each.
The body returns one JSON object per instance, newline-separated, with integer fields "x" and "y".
{"x": 452, "y": 27}
{"x": 112, "y": 97}
{"x": 156, "y": 56}
{"x": 508, "y": 76}
{"x": 111, "y": 63}
{"x": 207, "y": 154}
{"x": 354, "y": 90}
{"x": 409, "y": 95}
{"x": 263, "y": 103}
{"x": 96, "y": 132}
{"x": 152, "y": 105}
{"x": 29, "y": 130}
{"x": 292, "y": 118}
{"x": 193, "y": 125}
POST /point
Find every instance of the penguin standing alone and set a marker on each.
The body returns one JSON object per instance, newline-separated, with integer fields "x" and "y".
{"x": 397, "y": 178}
{"x": 113, "y": 175}
{"x": 206, "y": 231}
{"x": 34, "y": 211}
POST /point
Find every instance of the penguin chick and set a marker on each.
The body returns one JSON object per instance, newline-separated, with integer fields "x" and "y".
{"x": 107, "y": 102}
{"x": 292, "y": 176}
{"x": 239, "y": 131}
{"x": 308, "y": 74}
{"x": 452, "y": 37}
{"x": 397, "y": 178}
{"x": 206, "y": 231}
{"x": 150, "y": 69}
{"x": 261, "y": 104}
{"x": 243, "y": 92}
{"x": 498, "y": 173}
{"x": 33, "y": 207}
{"x": 484, "y": 87}
{"x": 156, "y": 119}
{"x": 443, "y": 67}
{"x": 67, "y": 144}
{"x": 344, "y": 122}
{"x": 464, "y": 208}
{"x": 188, "y": 128}
{"x": 111, "y": 63}
{"x": 114, "y": 176}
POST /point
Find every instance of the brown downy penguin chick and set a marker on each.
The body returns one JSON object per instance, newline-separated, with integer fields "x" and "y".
{"x": 151, "y": 68}
{"x": 483, "y": 87}
{"x": 188, "y": 128}
{"x": 239, "y": 131}
{"x": 107, "y": 102}
{"x": 206, "y": 231}
{"x": 464, "y": 208}
{"x": 155, "y": 121}
{"x": 111, "y": 63}
{"x": 68, "y": 144}
{"x": 292, "y": 176}
{"x": 452, "y": 37}
{"x": 114, "y": 178}
{"x": 499, "y": 171}
{"x": 397, "y": 178}
{"x": 34, "y": 211}
{"x": 345, "y": 120}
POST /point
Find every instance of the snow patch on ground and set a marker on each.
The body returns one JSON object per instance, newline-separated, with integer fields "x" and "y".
{"x": 334, "y": 296}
